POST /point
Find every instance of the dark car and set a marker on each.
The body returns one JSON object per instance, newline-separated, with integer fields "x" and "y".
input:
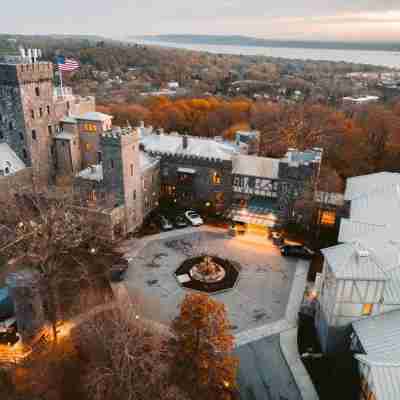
{"x": 180, "y": 222}
{"x": 299, "y": 251}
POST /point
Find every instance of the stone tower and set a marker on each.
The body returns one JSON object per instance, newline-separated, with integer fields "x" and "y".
{"x": 27, "y": 113}
{"x": 121, "y": 173}
{"x": 25, "y": 291}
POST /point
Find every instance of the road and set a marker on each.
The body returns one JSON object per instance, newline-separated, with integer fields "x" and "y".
{"x": 264, "y": 373}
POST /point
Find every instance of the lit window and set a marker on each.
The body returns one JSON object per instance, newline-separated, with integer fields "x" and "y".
{"x": 90, "y": 127}
{"x": 367, "y": 309}
{"x": 216, "y": 178}
{"x": 328, "y": 217}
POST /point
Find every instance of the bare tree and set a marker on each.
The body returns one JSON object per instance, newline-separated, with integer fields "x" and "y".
{"x": 50, "y": 235}
{"x": 128, "y": 358}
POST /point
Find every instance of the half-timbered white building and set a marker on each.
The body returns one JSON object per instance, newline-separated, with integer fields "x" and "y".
{"x": 360, "y": 290}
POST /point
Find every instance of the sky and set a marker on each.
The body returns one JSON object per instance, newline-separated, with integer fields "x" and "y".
{"x": 352, "y": 20}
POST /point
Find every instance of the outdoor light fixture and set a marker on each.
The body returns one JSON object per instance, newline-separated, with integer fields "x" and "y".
{"x": 92, "y": 250}
{"x": 208, "y": 204}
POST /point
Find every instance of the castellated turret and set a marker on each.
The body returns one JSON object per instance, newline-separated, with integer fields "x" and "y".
{"x": 121, "y": 172}
{"x": 27, "y": 113}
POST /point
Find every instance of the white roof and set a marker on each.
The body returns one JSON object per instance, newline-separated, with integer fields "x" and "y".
{"x": 380, "y": 339}
{"x": 261, "y": 167}
{"x": 92, "y": 173}
{"x": 364, "y": 184}
{"x": 94, "y": 116}
{"x": 9, "y": 160}
{"x": 197, "y": 147}
{"x": 345, "y": 263}
{"x": 69, "y": 120}
{"x": 147, "y": 161}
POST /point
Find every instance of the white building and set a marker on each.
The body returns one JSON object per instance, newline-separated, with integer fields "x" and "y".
{"x": 361, "y": 284}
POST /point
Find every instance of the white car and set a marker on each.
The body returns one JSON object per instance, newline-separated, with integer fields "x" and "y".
{"x": 194, "y": 218}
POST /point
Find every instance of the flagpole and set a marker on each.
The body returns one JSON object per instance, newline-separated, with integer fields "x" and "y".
{"x": 61, "y": 81}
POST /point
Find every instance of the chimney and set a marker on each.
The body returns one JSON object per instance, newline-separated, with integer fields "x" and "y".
{"x": 185, "y": 142}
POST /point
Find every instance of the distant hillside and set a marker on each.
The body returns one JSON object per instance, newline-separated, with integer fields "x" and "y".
{"x": 237, "y": 40}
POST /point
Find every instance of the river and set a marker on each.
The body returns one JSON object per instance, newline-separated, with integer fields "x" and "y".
{"x": 378, "y": 58}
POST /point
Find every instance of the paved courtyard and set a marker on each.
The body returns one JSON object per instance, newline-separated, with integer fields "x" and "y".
{"x": 260, "y": 296}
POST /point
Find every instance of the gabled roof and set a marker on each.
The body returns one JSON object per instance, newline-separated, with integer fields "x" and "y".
{"x": 94, "y": 116}
{"x": 364, "y": 184}
{"x": 9, "y": 160}
{"x": 380, "y": 339}
{"x": 346, "y": 263}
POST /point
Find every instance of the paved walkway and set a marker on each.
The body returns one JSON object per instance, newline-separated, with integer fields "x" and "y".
{"x": 288, "y": 343}
{"x": 264, "y": 373}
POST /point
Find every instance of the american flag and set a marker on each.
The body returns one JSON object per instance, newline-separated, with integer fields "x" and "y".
{"x": 67, "y": 64}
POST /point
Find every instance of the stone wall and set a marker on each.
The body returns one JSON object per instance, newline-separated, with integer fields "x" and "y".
{"x": 202, "y": 187}
{"x": 151, "y": 188}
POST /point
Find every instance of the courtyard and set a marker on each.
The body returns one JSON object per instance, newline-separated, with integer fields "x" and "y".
{"x": 259, "y": 296}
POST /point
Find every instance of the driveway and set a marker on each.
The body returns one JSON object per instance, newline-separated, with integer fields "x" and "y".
{"x": 260, "y": 296}
{"x": 264, "y": 373}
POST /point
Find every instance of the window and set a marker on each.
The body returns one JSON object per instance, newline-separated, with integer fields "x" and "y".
{"x": 99, "y": 156}
{"x": 40, "y": 112}
{"x": 37, "y": 91}
{"x": 1, "y": 135}
{"x": 216, "y": 178}
{"x": 367, "y": 309}
{"x": 112, "y": 164}
{"x": 21, "y": 136}
{"x": 50, "y": 129}
{"x": 11, "y": 125}
{"x": 328, "y": 217}
{"x": 33, "y": 134}
{"x": 24, "y": 154}
{"x": 33, "y": 114}
{"x": 48, "y": 110}
{"x": 90, "y": 127}
{"x": 131, "y": 169}
{"x": 68, "y": 105}
{"x": 92, "y": 196}
{"x": 134, "y": 195}
{"x": 88, "y": 147}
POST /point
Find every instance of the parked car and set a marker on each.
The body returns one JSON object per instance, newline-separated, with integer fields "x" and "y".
{"x": 180, "y": 222}
{"x": 165, "y": 224}
{"x": 194, "y": 218}
{"x": 277, "y": 238}
{"x": 299, "y": 251}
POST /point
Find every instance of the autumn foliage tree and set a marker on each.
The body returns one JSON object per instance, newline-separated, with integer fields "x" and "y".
{"x": 204, "y": 361}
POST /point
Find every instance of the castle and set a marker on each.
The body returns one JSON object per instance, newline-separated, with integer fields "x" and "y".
{"x": 119, "y": 174}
